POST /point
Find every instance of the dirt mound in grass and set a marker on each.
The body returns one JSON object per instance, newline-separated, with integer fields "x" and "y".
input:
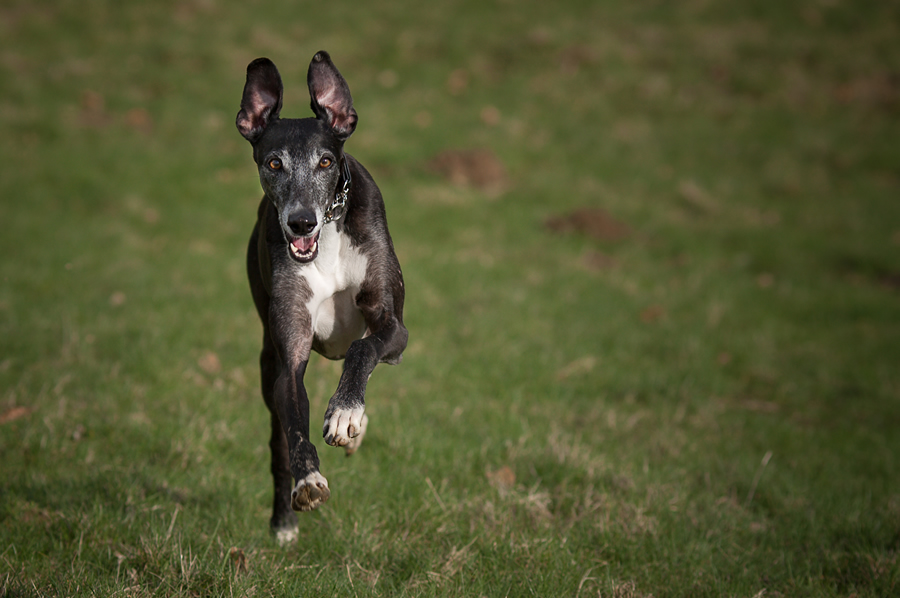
{"x": 593, "y": 222}
{"x": 480, "y": 169}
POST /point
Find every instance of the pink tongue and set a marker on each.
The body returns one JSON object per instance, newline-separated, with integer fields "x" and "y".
{"x": 303, "y": 244}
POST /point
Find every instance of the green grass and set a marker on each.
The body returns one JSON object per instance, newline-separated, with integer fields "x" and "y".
{"x": 709, "y": 406}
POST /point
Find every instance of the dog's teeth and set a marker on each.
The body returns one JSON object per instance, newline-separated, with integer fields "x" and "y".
{"x": 300, "y": 253}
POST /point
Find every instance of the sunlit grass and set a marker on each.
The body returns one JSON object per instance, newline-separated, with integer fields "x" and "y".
{"x": 699, "y": 399}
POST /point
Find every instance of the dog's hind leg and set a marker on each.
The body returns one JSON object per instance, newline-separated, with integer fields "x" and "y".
{"x": 283, "y": 522}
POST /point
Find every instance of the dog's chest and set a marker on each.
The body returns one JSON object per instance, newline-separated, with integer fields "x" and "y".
{"x": 335, "y": 279}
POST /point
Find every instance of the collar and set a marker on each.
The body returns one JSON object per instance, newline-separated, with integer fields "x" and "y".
{"x": 339, "y": 205}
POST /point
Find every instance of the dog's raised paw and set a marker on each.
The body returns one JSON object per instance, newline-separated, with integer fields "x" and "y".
{"x": 342, "y": 425}
{"x": 310, "y": 492}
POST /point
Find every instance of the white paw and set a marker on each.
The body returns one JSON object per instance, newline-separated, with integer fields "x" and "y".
{"x": 310, "y": 492}
{"x": 284, "y": 537}
{"x": 343, "y": 425}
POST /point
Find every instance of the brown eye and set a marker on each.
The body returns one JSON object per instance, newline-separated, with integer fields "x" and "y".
{"x": 325, "y": 162}
{"x": 275, "y": 164}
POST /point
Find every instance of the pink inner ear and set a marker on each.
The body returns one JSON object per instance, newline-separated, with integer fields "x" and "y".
{"x": 340, "y": 121}
{"x": 330, "y": 100}
{"x": 327, "y": 98}
{"x": 259, "y": 98}
{"x": 263, "y": 102}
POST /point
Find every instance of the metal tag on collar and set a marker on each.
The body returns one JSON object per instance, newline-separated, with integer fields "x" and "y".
{"x": 336, "y": 210}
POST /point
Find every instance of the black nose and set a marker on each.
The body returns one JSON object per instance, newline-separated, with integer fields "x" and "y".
{"x": 302, "y": 222}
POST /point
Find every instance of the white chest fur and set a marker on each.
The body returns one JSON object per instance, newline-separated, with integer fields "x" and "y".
{"x": 335, "y": 278}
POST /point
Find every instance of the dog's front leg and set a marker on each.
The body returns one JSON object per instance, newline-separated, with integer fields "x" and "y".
{"x": 345, "y": 418}
{"x": 293, "y": 339}
{"x": 311, "y": 488}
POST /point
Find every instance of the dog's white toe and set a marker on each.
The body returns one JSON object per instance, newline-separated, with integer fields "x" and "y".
{"x": 354, "y": 443}
{"x": 343, "y": 425}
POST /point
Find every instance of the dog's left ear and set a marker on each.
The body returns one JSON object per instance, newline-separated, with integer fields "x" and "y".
{"x": 330, "y": 96}
{"x": 261, "y": 101}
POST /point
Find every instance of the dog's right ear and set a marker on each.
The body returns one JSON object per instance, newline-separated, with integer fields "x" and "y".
{"x": 261, "y": 102}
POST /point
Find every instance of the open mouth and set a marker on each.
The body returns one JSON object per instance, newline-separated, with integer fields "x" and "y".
{"x": 304, "y": 249}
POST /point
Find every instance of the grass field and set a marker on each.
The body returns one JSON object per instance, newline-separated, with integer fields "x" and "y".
{"x": 652, "y": 257}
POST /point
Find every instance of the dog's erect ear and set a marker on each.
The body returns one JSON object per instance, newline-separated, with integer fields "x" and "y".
{"x": 262, "y": 99}
{"x": 329, "y": 96}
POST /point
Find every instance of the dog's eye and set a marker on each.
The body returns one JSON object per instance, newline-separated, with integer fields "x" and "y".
{"x": 275, "y": 164}
{"x": 325, "y": 162}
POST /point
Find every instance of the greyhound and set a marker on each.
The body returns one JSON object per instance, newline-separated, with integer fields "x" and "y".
{"x": 323, "y": 274}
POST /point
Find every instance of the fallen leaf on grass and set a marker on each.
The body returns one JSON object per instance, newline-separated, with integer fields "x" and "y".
{"x": 117, "y": 299}
{"x": 458, "y": 82}
{"x": 573, "y": 57}
{"x": 765, "y": 280}
{"x": 29, "y": 512}
{"x": 139, "y": 120}
{"x": 653, "y": 313}
{"x": 239, "y": 559}
{"x": 502, "y": 479}
{"x": 93, "y": 112}
{"x": 879, "y": 90}
{"x": 890, "y": 281}
{"x": 490, "y": 116}
{"x": 209, "y": 363}
{"x": 14, "y": 414}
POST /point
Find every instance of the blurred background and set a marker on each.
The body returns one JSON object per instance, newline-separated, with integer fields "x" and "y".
{"x": 652, "y": 253}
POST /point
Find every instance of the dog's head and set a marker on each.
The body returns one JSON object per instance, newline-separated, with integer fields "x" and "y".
{"x": 299, "y": 160}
